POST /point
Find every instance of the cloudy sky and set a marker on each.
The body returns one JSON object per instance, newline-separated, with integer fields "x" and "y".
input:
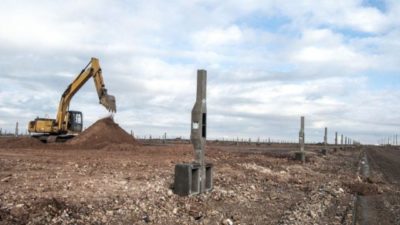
{"x": 268, "y": 63}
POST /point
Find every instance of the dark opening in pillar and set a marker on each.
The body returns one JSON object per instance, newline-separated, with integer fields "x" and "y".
{"x": 204, "y": 125}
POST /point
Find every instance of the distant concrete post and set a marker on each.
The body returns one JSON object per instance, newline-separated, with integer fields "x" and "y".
{"x": 341, "y": 140}
{"x": 301, "y": 154}
{"x": 165, "y": 138}
{"x": 324, "y": 151}
{"x": 336, "y": 138}
{"x": 16, "y": 129}
{"x": 301, "y": 134}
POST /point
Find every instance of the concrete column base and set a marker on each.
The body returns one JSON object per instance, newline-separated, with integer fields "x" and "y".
{"x": 187, "y": 179}
{"x": 300, "y": 156}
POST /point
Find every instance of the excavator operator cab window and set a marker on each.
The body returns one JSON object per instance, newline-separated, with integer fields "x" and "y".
{"x": 75, "y": 121}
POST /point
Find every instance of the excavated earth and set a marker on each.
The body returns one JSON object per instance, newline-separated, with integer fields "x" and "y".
{"x": 103, "y": 133}
{"x": 97, "y": 178}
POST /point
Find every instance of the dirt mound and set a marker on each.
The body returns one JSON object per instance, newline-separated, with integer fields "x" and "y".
{"x": 20, "y": 142}
{"x": 104, "y": 132}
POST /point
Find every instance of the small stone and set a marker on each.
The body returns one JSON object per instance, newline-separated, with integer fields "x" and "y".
{"x": 227, "y": 222}
{"x": 18, "y": 211}
{"x": 169, "y": 193}
{"x": 146, "y": 218}
{"x": 6, "y": 179}
{"x": 312, "y": 214}
{"x": 109, "y": 213}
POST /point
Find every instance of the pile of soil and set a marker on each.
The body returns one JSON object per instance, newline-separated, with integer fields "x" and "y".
{"x": 20, "y": 142}
{"x": 105, "y": 132}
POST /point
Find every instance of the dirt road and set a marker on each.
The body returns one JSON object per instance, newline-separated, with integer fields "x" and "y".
{"x": 382, "y": 207}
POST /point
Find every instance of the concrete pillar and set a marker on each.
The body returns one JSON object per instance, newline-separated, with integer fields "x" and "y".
{"x": 326, "y": 136}
{"x": 345, "y": 140}
{"x": 16, "y": 129}
{"x": 336, "y": 138}
{"x": 199, "y": 125}
{"x": 301, "y": 134}
{"x": 301, "y": 155}
{"x": 341, "y": 140}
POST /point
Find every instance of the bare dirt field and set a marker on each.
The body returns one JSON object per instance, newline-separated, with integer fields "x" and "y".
{"x": 131, "y": 183}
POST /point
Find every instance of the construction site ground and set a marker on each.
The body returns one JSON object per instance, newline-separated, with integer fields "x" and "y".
{"x": 382, "y": 167}
{"x": 132, "y": 183}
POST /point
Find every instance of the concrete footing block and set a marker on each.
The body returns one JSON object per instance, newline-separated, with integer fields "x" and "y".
{"x": 187, "y": 179}
{"x": 209, "y": 178}
{"x": 300, "y": 156}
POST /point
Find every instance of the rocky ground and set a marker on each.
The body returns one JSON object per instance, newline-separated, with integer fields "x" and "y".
{"x": 133, "y": 184}
{"x": 104, "y": 176}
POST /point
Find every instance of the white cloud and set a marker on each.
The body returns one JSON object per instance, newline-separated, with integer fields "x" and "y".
{"x": 216, "y": 36}
{"x": 262, "y": 76}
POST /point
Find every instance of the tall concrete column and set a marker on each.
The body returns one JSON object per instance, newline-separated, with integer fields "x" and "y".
{"x": 341, "y": 140}
{"x": 345, "y": 141}
{"x": 336, "y": 138}
{"x": 301, "y": 134}
{"x": 300, "y": 155}
{"x": 326, "y": 136}
{"x": 199, "y": 125}
{"x": 16, "y": 129}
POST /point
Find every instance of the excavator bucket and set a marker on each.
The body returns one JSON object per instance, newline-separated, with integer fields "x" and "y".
{"x": 109, "y": 102}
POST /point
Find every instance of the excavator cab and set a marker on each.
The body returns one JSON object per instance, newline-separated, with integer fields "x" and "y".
{"x": 75, "y": 121}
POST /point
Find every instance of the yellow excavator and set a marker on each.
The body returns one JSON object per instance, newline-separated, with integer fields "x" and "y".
{"x": 68, "y": 123}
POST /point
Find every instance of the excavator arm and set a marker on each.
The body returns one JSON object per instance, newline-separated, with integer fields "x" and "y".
{"x": 91, "y": 70}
